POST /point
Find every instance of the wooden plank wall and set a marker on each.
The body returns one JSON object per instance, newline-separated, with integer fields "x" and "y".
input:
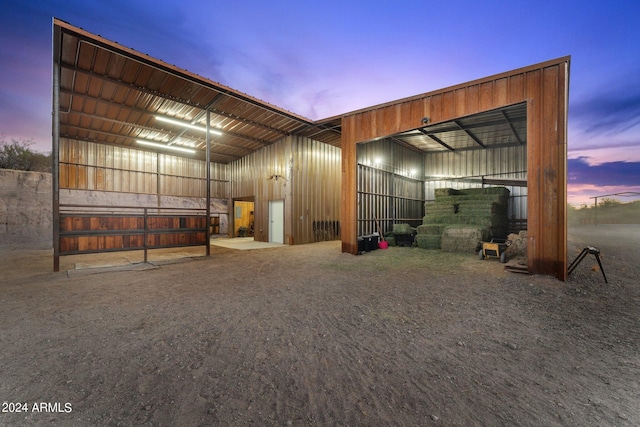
{"x": 545, "y": 89}
{"x": 242, "y": 217}
{"x": 308, "y": 180}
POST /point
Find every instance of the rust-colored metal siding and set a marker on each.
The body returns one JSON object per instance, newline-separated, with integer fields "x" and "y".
{"x": 544, "y": 87}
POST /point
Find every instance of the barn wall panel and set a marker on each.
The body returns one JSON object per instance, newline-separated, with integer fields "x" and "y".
{"x": 306, "y": 174}
{"x": 91, "y": 166}
{"x": 389, "y": 186}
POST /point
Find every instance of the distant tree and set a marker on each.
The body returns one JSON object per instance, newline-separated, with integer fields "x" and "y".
{"x": 18, "y": 155}
{"x": 607, "y": 202}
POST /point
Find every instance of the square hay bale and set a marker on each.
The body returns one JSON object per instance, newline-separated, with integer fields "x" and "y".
{"x": 464, "y": 238}
{"x": 428, "y": 241}
{"x": 498, "y": 191}
{"x": 435, "y": 229}
{"x": 440, "y": 208}
{"x": 482, "y": 207}
{"x": 403, "y": 229}
{"x": 440, "y": 192}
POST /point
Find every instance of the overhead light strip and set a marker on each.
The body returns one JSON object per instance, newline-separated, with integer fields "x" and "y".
{"x": 165, "y": 146}
{"x": 187, "y": 125}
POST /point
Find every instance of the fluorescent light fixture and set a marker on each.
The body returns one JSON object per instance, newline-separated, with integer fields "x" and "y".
{"x": 165, "y": 146}
{"x": 187, "y": 125}
{"x": 377, "y": 160}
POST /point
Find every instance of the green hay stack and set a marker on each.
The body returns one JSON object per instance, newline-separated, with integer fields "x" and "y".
{"x": 459, "y": 220}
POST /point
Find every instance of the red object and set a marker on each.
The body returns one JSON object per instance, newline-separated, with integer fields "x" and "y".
{"x": 383, "y": 244}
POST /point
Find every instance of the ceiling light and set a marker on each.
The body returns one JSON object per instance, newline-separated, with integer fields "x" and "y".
{"x": 165, "y": 146}
{"x": 187, "y": 125}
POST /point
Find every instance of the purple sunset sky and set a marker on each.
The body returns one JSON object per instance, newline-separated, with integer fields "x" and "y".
{"x": 323, "y": 58}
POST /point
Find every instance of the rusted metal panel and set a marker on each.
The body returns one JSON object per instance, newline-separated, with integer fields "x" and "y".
{"x": 472, "y": 99}
{"x": 448, "y": 105}
{"x": 460, "y": 102}
{"x": 501, "y": 94}
{"x": 486, "y": 95}
{"x": 417, "y": 110}
{"x": 435, "y": 107}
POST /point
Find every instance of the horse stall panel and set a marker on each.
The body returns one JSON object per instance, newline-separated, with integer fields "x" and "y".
{"x": 86, "y": 233}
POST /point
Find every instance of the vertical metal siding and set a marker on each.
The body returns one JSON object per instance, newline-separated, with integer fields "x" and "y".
{"x": 390, "y": 191}
{"x": 465, "y": 170}
{"x": 316, "y": 176}
{"x": 91, "y": 166}
{"x": 308, "y": 181}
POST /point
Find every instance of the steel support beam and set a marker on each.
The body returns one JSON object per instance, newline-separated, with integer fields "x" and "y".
{"x": 208, "y": 172}
{"x": 55, "y": 149}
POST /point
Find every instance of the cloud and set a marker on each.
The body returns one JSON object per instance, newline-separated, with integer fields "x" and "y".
{"x": 580, "y": 172}
{"x": 612, "y": 108}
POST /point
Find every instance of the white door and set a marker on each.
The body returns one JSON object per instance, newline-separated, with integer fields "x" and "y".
{"x": 276, "y": 221}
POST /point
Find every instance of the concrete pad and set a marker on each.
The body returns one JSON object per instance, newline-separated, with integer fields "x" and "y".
{"x": 97, "y": 270}
{"x": 111, "y": 262}
{"x": 244, "y": 243}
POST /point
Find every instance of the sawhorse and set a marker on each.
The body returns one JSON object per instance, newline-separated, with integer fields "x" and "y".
{"x": 585, "y": 251}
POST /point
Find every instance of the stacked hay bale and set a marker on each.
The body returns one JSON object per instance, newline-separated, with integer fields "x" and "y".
{"x": 464, "y": 238}
{"x": 429, "y": 235}
{"x": 459, "y": 220}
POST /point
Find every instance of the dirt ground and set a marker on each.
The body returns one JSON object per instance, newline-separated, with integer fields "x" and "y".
{"x": 306, "y": 335}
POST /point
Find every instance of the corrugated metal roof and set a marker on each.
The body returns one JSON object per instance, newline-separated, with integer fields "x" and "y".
{"x": 502, "y": 127}
{"x": 114, "y": 95}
